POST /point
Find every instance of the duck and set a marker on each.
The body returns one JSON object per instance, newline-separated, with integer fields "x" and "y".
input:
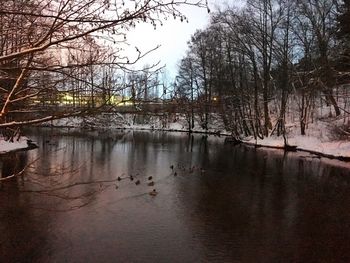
{"x": 150, "y": 183}
{"x": 153, "y": 192}
{"x": 150, "y": 178}
{"x": 31, "y": 144}
{"x": 137, "y": 182}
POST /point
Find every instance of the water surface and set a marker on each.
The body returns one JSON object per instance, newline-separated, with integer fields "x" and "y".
{"x": 225, "y": 204}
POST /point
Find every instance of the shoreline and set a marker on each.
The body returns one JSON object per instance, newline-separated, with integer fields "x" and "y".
{"x": 297, "y": 149}
{"x": 267, "y": 143}
{"x": 23, "y": 144}
{"x": 276, "y": 143}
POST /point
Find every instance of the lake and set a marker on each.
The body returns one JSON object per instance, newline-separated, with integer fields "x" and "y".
{"x": 179, "y": 198}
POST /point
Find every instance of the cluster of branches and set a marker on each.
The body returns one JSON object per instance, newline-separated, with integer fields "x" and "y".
{"x": 264, "y": 57}
{"x": 146, "y": 85}
{"x": 80, "y": 46}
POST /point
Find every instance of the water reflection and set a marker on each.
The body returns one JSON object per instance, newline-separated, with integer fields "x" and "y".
{"x": 12, "y": 163}
{"x": 226, "y": 204}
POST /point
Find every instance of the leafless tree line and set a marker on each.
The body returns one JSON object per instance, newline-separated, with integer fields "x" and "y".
{"x": 270, "y": 57}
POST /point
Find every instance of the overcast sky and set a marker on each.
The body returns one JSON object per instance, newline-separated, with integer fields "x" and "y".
{"x": 172, "y": 36}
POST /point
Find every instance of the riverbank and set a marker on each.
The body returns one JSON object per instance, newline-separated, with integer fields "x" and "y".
{"x": 338, "y": 149}
{"x": 21, "y": 144}
{"x": 318, "y": 140}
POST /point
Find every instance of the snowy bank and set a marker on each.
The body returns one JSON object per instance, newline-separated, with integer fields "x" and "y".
{"x": 331, "y": 149}
{"x": 318, "y": 140}
{"x": 21, "y": 144}
{"x": 175, "y": 122}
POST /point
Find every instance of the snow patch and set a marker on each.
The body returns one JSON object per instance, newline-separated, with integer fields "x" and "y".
{"x": 7, "y": 146}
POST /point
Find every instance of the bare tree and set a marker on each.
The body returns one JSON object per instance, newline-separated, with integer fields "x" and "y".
{"x": 270, "y": 57}
{"x": 320, "y": 17}
{"x": 186, "y": 89}
{"x": 67, "y": 42}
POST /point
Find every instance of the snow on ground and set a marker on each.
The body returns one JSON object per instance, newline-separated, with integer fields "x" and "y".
{"x": 129, "y": 121}
{"x": 6, "y": 146}
{"x": 318, "y": 139}
{"x": 334, "y": 148}
{"x": 308, "y": 143}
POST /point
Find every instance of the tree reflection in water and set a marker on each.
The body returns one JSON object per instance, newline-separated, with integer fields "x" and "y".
{"x": 12, "y": 163}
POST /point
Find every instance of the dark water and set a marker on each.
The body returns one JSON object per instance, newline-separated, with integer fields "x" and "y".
{"x": 226, "y": 204}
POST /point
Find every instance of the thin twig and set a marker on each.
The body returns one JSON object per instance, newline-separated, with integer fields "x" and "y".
{"x": 20, "y": 172}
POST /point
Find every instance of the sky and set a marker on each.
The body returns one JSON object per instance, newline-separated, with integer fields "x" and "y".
{"x": 172, "y": 36}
